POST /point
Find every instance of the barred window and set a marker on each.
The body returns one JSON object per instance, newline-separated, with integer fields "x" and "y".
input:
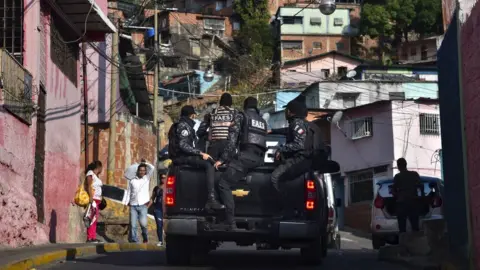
{"x": 64, "y": 55}
{"x": 11, "y": 28}
{"x": 361, "y": 128}
{"x": 429, "y": 124}
{"x": 361, "y": 186}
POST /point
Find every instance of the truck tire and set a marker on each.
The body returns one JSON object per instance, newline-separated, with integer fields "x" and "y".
{"x": 313, "y": 254}
{"x": 377, "y": 242}
{"x": 178, "y": 250}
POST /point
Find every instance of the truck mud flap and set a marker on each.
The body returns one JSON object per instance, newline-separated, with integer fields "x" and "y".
{"x": 297, "y": 230}
{"x": 181, "y": 226}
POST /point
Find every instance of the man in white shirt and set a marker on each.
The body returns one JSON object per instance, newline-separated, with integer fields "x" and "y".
{"x": 137, "y": 197}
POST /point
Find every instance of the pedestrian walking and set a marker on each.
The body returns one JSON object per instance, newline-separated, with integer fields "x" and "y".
{"x": 405, "y": 190}
{"x": 94, "y": 189}
{"x": 137, "y": 197}
{"x": 157, "y": 201}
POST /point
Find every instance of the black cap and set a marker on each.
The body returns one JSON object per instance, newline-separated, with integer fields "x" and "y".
{"x": 250, "y": 103}
{"x": 187, "y": 110}
{"x": 297, "y": 108}
{"x": 226, "y": 100}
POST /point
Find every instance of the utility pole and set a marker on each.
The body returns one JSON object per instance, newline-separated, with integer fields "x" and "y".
{"x": 113, "y": 107}
{"x": 85, "y": 99}
{"x": 155, "y": 80}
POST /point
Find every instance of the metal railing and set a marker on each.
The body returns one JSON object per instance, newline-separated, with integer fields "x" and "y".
{"x": 16, "y": 85}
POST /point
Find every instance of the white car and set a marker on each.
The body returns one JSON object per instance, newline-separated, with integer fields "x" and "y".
{"x": 384, "y": 223}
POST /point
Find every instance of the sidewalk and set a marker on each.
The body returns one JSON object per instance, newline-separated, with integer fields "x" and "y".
{"x": 30, "y": 257}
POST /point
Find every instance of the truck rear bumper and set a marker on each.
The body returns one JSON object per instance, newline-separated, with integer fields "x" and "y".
{"x": 283, "y": 230}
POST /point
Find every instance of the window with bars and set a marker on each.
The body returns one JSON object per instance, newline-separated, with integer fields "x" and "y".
{"x": 11, "y": 28}
{"x": 292, "y": 45}
{"x": 214, "y": 24}
{"x": 429, "y": 124}
{"x": 361, "y": 128}
{"x": 64, "y": 55}
{"x": 360, "y": 186}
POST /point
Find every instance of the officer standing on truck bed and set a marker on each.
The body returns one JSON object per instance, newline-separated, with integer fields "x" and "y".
{"x": 217, "y": 123}
{"x": 294, "y": 156}
{"x": 248, "y": 132}
{"x": 182, "y": 150}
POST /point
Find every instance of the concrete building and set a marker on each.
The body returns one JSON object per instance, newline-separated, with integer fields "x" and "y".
{"x": 372, "y": 137}
{"x": 308, "y": 70}
{"x": 40, "y": 108}
{"x": 348, "y": 94}
{"x": 419, "y": 51}
{"x": 304, "y": 32}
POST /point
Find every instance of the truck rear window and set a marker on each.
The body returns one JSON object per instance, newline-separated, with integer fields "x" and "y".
{"x": 385, "y": 189}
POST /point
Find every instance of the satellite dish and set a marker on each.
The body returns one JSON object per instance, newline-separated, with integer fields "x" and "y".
{"x": 266, "y": 116}
{"x": 337, "y": 117}
{"x": 352, "y": 73}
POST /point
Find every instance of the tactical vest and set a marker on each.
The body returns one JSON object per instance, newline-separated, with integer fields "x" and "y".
{"x": 220, "y": 121}
{"x": 254, "y": 129}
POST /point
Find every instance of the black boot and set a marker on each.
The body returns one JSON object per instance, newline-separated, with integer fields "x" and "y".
{"x": 213, "y": 204}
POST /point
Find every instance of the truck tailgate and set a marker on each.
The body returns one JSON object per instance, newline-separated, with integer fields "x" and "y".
{"x": 254, "y": 195}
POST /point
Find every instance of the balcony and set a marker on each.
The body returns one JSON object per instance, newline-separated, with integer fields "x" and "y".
{"x": 16, "y": 87}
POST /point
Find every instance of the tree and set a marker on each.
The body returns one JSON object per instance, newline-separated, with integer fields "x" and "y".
{"x": 255, "y": 37}
{"x": 375, "y": 22}
{"x": 391, "y": 21}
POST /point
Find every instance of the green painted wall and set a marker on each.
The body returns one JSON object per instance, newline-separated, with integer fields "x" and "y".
{"x": 327, "y": 22}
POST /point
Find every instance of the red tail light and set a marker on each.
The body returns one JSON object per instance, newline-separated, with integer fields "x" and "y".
{"x": 331, "y": 213}
{"x": 437, "y": 202}
{"x": 170, "y": 191}
{"x": 379, "y": 202}
{"x": 310, "y": 195}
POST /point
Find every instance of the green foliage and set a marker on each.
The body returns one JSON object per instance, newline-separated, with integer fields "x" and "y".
{"x": 255, "y": 36}
{"x": 392, "y": 20}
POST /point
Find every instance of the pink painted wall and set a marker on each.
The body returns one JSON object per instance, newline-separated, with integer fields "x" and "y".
{"x": 99, "y": 76}
{"x": 470, "y": 40}
{"x": 417, "y": 149}
{"x": 19, "y": 225}
{"x": 366, "y": 152}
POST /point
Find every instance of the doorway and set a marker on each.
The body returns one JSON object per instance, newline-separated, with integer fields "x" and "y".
{"x": 39, "y": 170}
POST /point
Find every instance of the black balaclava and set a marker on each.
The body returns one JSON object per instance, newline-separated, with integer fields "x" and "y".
{"x": 250, "y": 103}
{"x": 226, "y": 100}
{"x": 297, "y": 108}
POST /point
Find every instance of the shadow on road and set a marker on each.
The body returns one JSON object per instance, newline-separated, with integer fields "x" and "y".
{"x": 358, "y": 259}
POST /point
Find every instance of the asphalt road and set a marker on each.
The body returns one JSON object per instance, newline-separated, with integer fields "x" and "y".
{"x": 355, "y": 254}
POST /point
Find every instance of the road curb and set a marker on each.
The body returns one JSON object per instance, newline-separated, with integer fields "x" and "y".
{"x": 74, "y": 253}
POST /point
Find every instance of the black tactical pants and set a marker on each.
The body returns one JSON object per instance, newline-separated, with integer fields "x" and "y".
{"x": 408, "y": 210}
{"x": 289, "y": 169}
{"x": 216, "y": 148}
{"x": 237, "y": 169}
{"x": 198, "y": 162}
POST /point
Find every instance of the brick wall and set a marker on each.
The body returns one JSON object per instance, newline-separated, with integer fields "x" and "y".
{"x": 135, "y": 139}
{"x": 328, "y": 44}
{"x": 470, "y": 40}
{"x": 358, "y": 215}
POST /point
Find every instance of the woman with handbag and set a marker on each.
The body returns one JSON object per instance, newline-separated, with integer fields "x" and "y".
{"x": 94, "y": 189}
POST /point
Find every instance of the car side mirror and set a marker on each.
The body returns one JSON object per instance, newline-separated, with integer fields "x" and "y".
{"x": 338, "y": 202}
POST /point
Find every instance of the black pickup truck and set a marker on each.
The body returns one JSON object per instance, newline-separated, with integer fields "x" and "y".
{"x": 191, "y": 232}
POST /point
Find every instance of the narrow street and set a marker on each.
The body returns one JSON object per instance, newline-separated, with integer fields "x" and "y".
{"x": 356, "y": 254}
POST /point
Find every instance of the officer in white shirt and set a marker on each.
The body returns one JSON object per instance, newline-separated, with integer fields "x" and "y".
{"x": 137, "y": 197}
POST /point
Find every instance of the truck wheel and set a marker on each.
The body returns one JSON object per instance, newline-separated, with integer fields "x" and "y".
{"x": 377, "y": 242}
{"x": 324, "y": 246}
{"x": 178, "y": 250}
{"x": 313, "y": 254}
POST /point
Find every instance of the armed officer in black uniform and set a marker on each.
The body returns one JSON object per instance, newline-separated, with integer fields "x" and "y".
{"x": 188, "y": 154}
{"x": 248, "y": 132}
{"x": 294, "y": 156}
{"x": 217, "y": 123}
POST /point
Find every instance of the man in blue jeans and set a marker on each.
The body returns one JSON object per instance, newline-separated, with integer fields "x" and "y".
{"x": 137, "y": 197}
{"x": 157, "y": 201}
